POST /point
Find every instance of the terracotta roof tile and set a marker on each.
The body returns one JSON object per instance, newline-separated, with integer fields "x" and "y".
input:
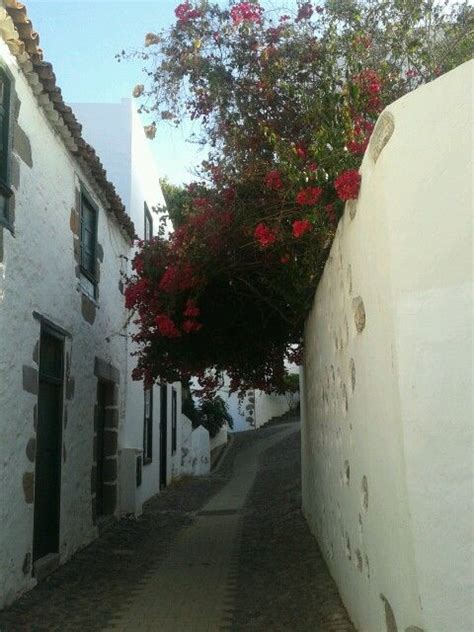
{"x": 24, "y": 44}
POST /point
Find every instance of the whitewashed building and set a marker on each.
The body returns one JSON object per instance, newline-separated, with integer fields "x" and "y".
{"x": 79, "y": 442}
{"x": 116, "y": 131}
{"x": 255, "y": 409}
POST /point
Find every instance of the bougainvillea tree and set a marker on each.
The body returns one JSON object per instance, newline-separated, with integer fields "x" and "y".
{"x": 286, "y": 102}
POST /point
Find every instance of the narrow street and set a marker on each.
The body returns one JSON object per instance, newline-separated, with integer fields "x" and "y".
{"x": 227, "y": 552}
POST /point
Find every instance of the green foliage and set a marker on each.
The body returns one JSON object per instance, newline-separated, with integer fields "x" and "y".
{"x": 210, "y": 413}
{"x": 213, "y": 414}
{"x": 292, "y": 382}
{"x": 178, "y": 201}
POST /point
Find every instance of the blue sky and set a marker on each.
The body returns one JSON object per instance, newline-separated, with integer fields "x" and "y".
{"x": 81, "y": 40}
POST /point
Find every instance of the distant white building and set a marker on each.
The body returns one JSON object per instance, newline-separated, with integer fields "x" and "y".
{"x": 115, "y": 129}
{"x": 254, "y": 410}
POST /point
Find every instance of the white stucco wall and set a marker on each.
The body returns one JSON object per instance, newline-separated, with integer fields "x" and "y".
{"x": 220, "y": 438}
{"x": 201, "y": 451}
{"x": 254, "y": 410}
{"x": 116, "y": 131}
{"x": 387, "y": 410}
{"x": 269, "y": 406}
{"x": 38, "y": 273}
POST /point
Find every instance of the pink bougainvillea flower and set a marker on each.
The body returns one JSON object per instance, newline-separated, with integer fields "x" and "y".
{"x": 136, "y": 292}
{"x": 362, "y": 130}
{"x": 347, "y": 184}
{"x": 301, "y": 151}
{"x": 308, "y": 196}
{"x": 166, "y": 326}
{"x": 312, "y": 167}
{"x": 265, "y": 235}
{"x": 300, "y": 227}
{"x": 191, "y": 310}
{"x": 305, "y": 11}
{"x": 185, "y": 13}
{"x": 369, "y": 81}
{"x": 273, "y": 180}
{"x": 178, "y": 278}
{"x": 246, "y": 12}
{"x": 190, "y": 326}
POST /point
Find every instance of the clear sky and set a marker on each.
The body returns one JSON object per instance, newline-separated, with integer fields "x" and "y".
{"x": 81, "y": 40}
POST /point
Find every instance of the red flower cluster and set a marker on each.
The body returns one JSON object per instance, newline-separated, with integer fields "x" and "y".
{"x": 134, "y": 292}
{"x": 300, "y": 227}
{"x": 305, "y": 12}
{"x": 274, "y": 34}
{"x": 265, "y": 235}
{"x": 177, "y": 278}
{"x": 371, "y": 85}
{"x": 273, "y": 180}
{"x": 166, "y": 326}
{"x": 347, "y": 184}
{"x": 369, "y": 81}
{"x": 185, "y": 13}
{"x": 191, "y": 325}
{"x": 246, "y": 12}
{"x": 308, "y": 196}
{"x": 361, "y": 136}
{"x": 203, "y": 204}
{"x": 301, "y": 151}
{"x": 191, "y": 310}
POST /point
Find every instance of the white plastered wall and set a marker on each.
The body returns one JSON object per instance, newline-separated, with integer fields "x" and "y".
{"x": 38, "y": 273}
{"x": 116, "y": 131}
{"x": 269, "y": 406}
{"x": 387, "y": 409}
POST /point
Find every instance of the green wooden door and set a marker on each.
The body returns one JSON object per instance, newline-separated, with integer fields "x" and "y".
{"x": 163, "y": 434}
{"x": 48, "y": 447}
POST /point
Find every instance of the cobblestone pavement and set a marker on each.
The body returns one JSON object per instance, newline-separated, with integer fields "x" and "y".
{"x": 283, "y": 582}
{"x": 276, "y": 579}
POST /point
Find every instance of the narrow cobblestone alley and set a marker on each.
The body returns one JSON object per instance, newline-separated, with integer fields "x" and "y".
{"x": 229, "y": 551}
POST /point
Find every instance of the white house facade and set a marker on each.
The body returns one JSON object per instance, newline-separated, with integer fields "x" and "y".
{"x": 79, "y": 442}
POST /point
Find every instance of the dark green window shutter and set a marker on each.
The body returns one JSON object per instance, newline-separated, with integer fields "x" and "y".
{"x": 5, "y": 192}
{"x": 88, "y": 236}
{"x": 4, "y": 125}
{"x": 148, "y": 224}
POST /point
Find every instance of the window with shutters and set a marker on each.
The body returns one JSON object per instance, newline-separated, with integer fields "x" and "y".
{"x": 148, "y": 224}
{"x": 88, "y": 237}
{"x": 5, "y": 191}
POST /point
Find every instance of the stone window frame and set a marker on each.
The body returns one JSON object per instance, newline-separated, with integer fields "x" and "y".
{"x": 106, "y": 372}
{"x": 91, "y": 276}
{"x": 6, "y": 217}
